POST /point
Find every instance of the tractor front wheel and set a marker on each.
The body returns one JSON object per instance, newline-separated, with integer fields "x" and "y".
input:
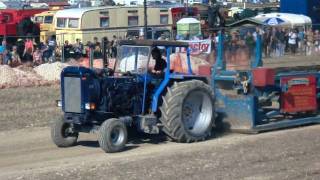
{"x": 113, "y": 135}
{"x": 187, "y": 112}
{"x": 62, "y": 135}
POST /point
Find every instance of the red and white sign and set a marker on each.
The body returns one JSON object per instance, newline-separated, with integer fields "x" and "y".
{"x": 198, "y": 47}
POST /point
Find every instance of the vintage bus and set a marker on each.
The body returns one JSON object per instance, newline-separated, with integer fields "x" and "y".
{"x": 46, "y": 21}
{"x": 87, "y": 23}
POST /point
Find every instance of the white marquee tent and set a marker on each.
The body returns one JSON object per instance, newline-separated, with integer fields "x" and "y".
{"x": 284, "y": 19}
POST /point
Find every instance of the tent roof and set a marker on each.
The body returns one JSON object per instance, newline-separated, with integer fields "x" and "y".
{"x": 247, "y": 21}
{"x": 188, "y": 21}
{"x": 288, "y": 18}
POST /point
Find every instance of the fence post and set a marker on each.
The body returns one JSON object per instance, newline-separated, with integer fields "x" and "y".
{"x": 62, "y": 49}
{"x": 220, "y": 64}
{"x": 91, "y": 57}
{"x": 104, "y": 52}
{"x": 258, "y": 58}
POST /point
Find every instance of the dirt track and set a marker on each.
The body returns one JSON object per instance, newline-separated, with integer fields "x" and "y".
{"x": 28, "y": 153}
{"x": 286, "y": 154}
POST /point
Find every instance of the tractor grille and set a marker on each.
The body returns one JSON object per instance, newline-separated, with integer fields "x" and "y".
{"x": 72, "y": 94}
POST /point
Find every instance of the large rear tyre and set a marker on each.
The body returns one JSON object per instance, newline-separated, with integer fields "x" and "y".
{"x": 187, "y": 112}
{"x": 62, "y": 135}
{"x": 113, "y": 135}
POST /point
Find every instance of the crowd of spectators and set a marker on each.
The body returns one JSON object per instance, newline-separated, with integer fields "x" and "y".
{"x": 33, "y": 54}
{"x": 276, "y": 41}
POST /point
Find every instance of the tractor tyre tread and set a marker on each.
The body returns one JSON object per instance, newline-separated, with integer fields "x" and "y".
{"x": 171, "y": 111}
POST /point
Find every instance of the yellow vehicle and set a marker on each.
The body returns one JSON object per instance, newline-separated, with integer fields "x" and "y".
{"x": 87, "y": 23}
{"x": 46, "y": 20}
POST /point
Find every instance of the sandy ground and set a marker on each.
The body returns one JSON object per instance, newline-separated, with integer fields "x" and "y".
{"x": 27, "y": 152}
{"x": 286, "y": 154}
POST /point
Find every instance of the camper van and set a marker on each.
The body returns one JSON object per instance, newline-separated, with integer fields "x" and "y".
{"x": 87, "y": 23}
{"x": 46, "y": 20}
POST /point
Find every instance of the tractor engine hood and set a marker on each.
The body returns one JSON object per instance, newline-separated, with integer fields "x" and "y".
{"x": 79, "y": 86}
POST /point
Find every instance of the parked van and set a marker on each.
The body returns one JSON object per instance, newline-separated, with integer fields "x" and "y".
{"x": 87, "y": 23}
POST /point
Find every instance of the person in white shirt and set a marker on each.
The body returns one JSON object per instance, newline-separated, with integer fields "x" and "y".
{"x": 292, "y": 41}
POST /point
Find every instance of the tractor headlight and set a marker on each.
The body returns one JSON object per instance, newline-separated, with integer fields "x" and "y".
{"x": 90, "y": 106}
{"x": 58, "y": 103}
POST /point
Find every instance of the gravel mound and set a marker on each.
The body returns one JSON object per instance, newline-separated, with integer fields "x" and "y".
{"x": 14, "y": 77}
{"x": 50, "y": 72}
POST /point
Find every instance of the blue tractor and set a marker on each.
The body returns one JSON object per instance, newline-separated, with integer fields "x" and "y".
{"x": 141, "y": 91}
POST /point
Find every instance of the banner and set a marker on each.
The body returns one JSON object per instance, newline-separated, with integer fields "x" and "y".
{"x": 198, "y": 47}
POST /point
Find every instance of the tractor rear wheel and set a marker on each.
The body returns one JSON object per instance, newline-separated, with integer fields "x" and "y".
{"x": 62, "y": 134}
{"x": 187, "y": 112}
{"x": 113, "y": 135}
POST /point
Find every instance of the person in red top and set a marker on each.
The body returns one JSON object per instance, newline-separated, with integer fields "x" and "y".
{"x": 28, "y": 46}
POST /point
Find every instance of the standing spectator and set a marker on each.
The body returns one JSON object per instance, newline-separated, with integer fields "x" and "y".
{"x": 27, "y": 58}
{"x": 281, "y": 36}
{"x": 46, "y": 53}
{"x": 114, "y": 45}
{"x": 37, "y": 57}
{"x": 52, "y": 49}
{"x": 97, "y": 54}
{"x": 293, "y": 37}
{"x": 78, "y": 49}
{"x": 6, "y": 57}
{"x": 96, "y": 42}
{"x": 67, "y": 50}
{"x": 274, "y": 42}
{"x": 250, "y": 43}
{"x": 106, "y": 46}
{"x": 87, "y": 48}
{"x": 258, "y": 31}
{"x": 287, "y": 49}
{"x": 20, "y": 48}
{"x": 301, "y": 42}
{"x": 3, "y": 46}
{"x": 310, "y": 39}
{"x": 28, "y": 46}
{"x": 266, "y": 38}
{"x": 16, "y": 60}
{"x": 317, "y": 41}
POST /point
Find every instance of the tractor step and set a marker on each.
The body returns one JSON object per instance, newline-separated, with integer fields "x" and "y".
{"x": 148, "y": 124}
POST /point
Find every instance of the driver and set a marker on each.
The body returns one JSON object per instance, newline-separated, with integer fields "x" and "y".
{"x": 161, "y": 64}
